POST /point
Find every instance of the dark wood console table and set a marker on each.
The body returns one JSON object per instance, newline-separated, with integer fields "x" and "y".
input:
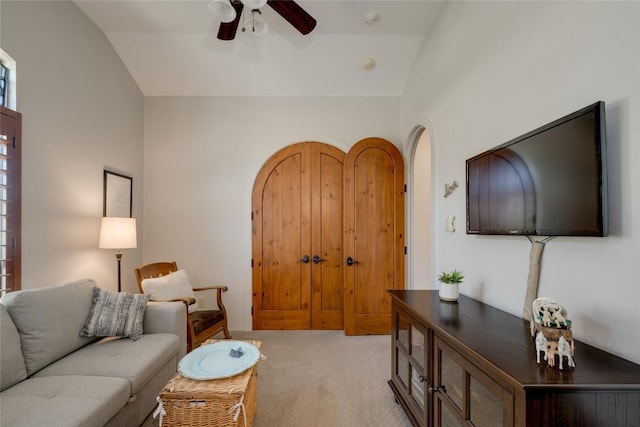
{"x": 454, "y": 364}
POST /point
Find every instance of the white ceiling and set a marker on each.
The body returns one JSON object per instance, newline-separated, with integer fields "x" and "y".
{"x": 170, "y": 48}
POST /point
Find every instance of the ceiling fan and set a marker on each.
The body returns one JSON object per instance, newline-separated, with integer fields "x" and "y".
{"x": 230, "y": 13}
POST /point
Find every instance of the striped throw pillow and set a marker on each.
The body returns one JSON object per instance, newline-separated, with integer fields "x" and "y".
{"x": 115, "y": 314}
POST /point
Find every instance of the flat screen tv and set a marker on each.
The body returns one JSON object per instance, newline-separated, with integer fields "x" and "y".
{"x": 551, "y": 181}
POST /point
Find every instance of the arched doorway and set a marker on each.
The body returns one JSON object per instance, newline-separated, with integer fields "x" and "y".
{"x": 420, "y": 207}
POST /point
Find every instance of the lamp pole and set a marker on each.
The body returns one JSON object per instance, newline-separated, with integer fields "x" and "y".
{"x": 119, "y": 258}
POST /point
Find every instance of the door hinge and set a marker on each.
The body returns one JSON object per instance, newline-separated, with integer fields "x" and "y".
{"x": 405, "y": 250}
{"x": 14, "y": 141}
{"x": 252, "y": 310}
{"x": 251, "y": 215}
{"x": 251, "y": 262}
{"x": 405, "y": 188}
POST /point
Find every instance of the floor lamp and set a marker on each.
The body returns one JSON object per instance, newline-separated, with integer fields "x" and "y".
{"x": 118, "y": 233}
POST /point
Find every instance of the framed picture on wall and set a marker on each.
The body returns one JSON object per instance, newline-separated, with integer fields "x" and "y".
{"x": 118, "y": 196}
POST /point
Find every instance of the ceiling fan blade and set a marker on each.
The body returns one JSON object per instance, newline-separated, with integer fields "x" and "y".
{"x": 227, "y": 30}
{"x": 294, "y": 14}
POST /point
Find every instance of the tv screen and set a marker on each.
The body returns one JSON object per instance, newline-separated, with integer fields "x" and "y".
{"x": 551, "y": 181}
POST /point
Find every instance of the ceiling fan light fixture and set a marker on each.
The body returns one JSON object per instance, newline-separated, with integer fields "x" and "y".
{"x": 222, "y": 10}
{"x": 258, "y": 26}
{"x": 254, "y": 4}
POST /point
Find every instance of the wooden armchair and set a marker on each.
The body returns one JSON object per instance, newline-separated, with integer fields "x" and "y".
{"x": 201, "y": 324}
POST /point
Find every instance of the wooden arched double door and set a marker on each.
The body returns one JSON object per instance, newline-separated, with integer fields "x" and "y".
{"x": 328, "y": 237}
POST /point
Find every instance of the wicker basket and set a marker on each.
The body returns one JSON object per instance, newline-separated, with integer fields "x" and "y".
{"x": 222, "y": 402}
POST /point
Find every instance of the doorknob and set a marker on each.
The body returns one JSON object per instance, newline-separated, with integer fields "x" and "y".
{"x": 317, "y": 259}
{"x": 304, "y": 259}
{"x": 350, "y": 261}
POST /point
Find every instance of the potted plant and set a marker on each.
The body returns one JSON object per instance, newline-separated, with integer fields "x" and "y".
{"x": 449, "y": 285}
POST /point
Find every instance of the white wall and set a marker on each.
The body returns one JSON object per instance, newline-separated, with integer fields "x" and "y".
{"x": 202, "y": 155}
{"x": 491, "y": 71}
{"x": 82, "y": 112}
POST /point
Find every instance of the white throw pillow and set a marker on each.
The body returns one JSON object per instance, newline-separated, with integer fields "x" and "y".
{"x": 173, "y": 285}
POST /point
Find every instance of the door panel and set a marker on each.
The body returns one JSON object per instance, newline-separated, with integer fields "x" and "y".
{"x": 281, "y": 228}
{"x": 374, "y": 234}
{"x": 327, "y": 237}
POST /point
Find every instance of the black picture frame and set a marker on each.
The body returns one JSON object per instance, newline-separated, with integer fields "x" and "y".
{"x": 117, "y": 195}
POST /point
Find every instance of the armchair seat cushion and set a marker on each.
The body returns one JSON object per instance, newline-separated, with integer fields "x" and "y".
{"x": 203, "y": 320}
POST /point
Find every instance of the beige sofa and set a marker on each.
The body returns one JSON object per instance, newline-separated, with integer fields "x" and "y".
{"x": 50, "y": 375}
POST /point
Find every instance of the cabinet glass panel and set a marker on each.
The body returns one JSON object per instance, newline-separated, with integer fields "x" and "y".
{"x": 452, "y": 378}
{"x": 486, "y": 408}
{"x": 417, "y": 346}
{"x": 447, "y": 419}
{"x": 403, "y": 332}
{"x": 403, "y": 368}
{"x": 417, "y": 388}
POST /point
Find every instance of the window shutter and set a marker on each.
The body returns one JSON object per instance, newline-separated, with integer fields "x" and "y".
{"x": 10, "y": 200}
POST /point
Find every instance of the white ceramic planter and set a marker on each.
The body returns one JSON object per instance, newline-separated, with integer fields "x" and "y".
{"x": 449, "y": 291}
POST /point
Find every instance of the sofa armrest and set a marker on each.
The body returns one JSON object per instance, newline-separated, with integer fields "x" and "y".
{"x": 167, "y": 317}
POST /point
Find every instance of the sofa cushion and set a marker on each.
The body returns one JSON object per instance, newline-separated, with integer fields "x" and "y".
{"x": 115, "y": 314}
{"x": 63, "y": 401}
{"x": 39, "y": 315}
{"x": 12, "y": 367}
{"x": 135, "y": 361}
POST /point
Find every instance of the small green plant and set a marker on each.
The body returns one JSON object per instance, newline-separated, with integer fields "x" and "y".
{"x": 453, "y": 277}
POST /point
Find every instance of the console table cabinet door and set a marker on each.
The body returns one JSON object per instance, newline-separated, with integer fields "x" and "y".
{"x": 410, "y": 361}
{"x": 467, "y": 393}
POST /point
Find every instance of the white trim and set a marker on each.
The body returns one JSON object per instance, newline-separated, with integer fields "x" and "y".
{"x": 9, "y": 62}
{"x": 417, "y": 132}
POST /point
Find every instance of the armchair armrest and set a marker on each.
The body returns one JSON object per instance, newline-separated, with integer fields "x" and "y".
{"x": 223, "y": 288}
{"x": 167, "y": 317}
{"x": 219, "y": 290}
{"x": 186, "y": 300}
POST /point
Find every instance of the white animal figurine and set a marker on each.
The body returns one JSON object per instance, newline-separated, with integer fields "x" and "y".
{"x": 558, "y": 317}
{"x": 547, "y": 312}
{"x": 541, "y": 346}
{"x": 551, "y": 352}
{"x": 546, "y": 316}
{"x": 565, "y": 350}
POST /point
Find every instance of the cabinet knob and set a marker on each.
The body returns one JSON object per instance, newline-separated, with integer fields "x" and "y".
{"x": 422, "y": 378}
{"x": 442, "y": 388}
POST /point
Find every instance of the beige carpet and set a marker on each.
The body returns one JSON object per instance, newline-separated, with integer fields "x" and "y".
{"x": 323, "y": 378}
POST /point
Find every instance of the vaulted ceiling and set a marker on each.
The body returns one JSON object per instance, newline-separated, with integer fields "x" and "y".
{"x": 170, "y": 48}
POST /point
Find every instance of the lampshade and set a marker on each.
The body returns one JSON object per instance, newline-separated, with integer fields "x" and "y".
{"x": 254, "y": 4}
{"x": 223, "y": 10}
{"x": 118, "y": 233}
